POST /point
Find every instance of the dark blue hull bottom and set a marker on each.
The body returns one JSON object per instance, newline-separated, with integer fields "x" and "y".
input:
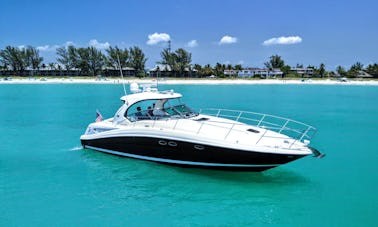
{"x": 187, "y": 154}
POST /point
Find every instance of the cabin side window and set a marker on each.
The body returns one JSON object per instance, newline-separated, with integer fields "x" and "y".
{"x": 140, "y": 110}
{"x": 157, "y": 109}
{"x": 178, "y": 108}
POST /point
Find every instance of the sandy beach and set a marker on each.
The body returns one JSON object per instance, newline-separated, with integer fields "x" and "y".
{"x": 187, "y": 81}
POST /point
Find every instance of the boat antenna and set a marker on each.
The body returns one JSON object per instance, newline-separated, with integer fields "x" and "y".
{"x": 120, "y": 69}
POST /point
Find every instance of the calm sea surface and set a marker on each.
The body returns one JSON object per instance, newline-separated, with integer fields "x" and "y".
{"x": 47, "y": 179}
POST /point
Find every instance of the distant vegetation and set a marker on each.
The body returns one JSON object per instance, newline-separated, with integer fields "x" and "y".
{"x": 91, "y": 62}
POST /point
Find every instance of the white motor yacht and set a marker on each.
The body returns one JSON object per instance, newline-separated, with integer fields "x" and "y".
{"x": 156, "y": 126}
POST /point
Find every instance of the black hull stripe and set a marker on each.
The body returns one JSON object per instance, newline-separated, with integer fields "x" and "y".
{"x": 179, "y": 162}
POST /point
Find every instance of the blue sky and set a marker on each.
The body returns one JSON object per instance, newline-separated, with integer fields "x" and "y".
{"x": 243, "y": 32}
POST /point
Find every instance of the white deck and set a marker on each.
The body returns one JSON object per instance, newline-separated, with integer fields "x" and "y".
{"x": 216, "y": 131}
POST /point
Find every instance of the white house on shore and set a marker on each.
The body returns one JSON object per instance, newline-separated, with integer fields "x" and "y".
{"x": 303, "y": 71}
{"x": 252, "y": 72}
{"x": 166, "y": 71}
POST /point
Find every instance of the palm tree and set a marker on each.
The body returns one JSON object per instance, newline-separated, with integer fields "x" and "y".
{"x": 64, "y": 57}
{"x": 138, "y": 61}
{"x": 17, "y": 59}
{"x": 219, "y": 69}
{"x": 198, "y": 68}
{"x": 24, "y": 59}
{"x": 285, "y": 70}
{"x": 275, "y": 62}
{"x": 34, "y": 59}
{"x": 96, "y": 60}
{"x": 358, "y": 66}
{"x": 372, "y": 69}
{"x": 340, "y": 70}
{"x": 9, "y": 56}
{"x": 51, "y": 66}
{"x": 229, "y": 67}
{"x": 74, "y": 58}
{"x": 322, "y": 70}
{"x": 355, "y": 69}
{"x": 115, "y": 54}
{"x": 238, "y": 67}
{"x": 81, "y": 56}
{"x": 169, "y": 60}
{"x": 299, "y": 66}
{"x": 207, "y": 70}
{"x": 182, "y": 60}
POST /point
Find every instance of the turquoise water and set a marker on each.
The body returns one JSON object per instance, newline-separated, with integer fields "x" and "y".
{"x": 46, "y": 179}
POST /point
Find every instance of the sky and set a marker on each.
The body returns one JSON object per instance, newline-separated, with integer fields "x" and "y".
{"x": 245, "y": 32}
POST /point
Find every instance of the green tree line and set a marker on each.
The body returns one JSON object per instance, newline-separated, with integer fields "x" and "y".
{"x": 90, "y": 61}
{"x": 18, "y": 59}
{"x": 277, "y": 62}
{"x": 177, "y": 61}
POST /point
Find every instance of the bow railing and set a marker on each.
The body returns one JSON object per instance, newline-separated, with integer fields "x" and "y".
{"x": 292, "y": 128}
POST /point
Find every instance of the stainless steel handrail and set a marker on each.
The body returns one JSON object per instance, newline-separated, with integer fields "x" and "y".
{"x": 292, "y": 128}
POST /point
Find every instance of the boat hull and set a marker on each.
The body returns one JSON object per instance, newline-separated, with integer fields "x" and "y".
{"x": 188, "y": 154}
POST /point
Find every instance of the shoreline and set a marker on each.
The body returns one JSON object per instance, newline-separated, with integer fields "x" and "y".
{"x": 191, "y": 81}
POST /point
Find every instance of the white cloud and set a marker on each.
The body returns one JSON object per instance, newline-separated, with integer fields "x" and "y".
{"x": 43, "y": 48}
{"x": 69, "y": 43}
{"x": 47, "y": 48}
{"x": 156, "y": 38}
{"x": 241, "y": 62}
{"x": 228, "y": 40}
{"x": 99, "y": 45}
{"x": 52, "y": 48}
{"x": 192, "y": 43}
{"x": 283, "y": 40}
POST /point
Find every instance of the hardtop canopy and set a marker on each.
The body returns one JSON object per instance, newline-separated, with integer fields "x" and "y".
{"x": 149, "y": 95}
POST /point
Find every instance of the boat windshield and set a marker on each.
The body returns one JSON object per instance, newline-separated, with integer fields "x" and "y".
{"x": 159, "y": 109}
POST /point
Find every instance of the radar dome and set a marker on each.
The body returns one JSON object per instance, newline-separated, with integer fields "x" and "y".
{"x": 134, "y": 88}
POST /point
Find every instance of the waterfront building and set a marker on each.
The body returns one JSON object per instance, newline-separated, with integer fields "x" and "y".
{"x": 253, "y": 72}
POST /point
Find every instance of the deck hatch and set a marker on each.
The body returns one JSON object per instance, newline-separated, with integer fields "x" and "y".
{"x": 252, "y": 130}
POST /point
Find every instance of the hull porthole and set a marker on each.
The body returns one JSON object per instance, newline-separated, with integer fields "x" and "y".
{"x": 162, "y": 142}
{"x": 199, "y": 147}
{"x": 172, "y": 144}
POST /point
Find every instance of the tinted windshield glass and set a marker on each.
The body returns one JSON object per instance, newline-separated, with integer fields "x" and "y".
{"x": 158, "y": 109}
